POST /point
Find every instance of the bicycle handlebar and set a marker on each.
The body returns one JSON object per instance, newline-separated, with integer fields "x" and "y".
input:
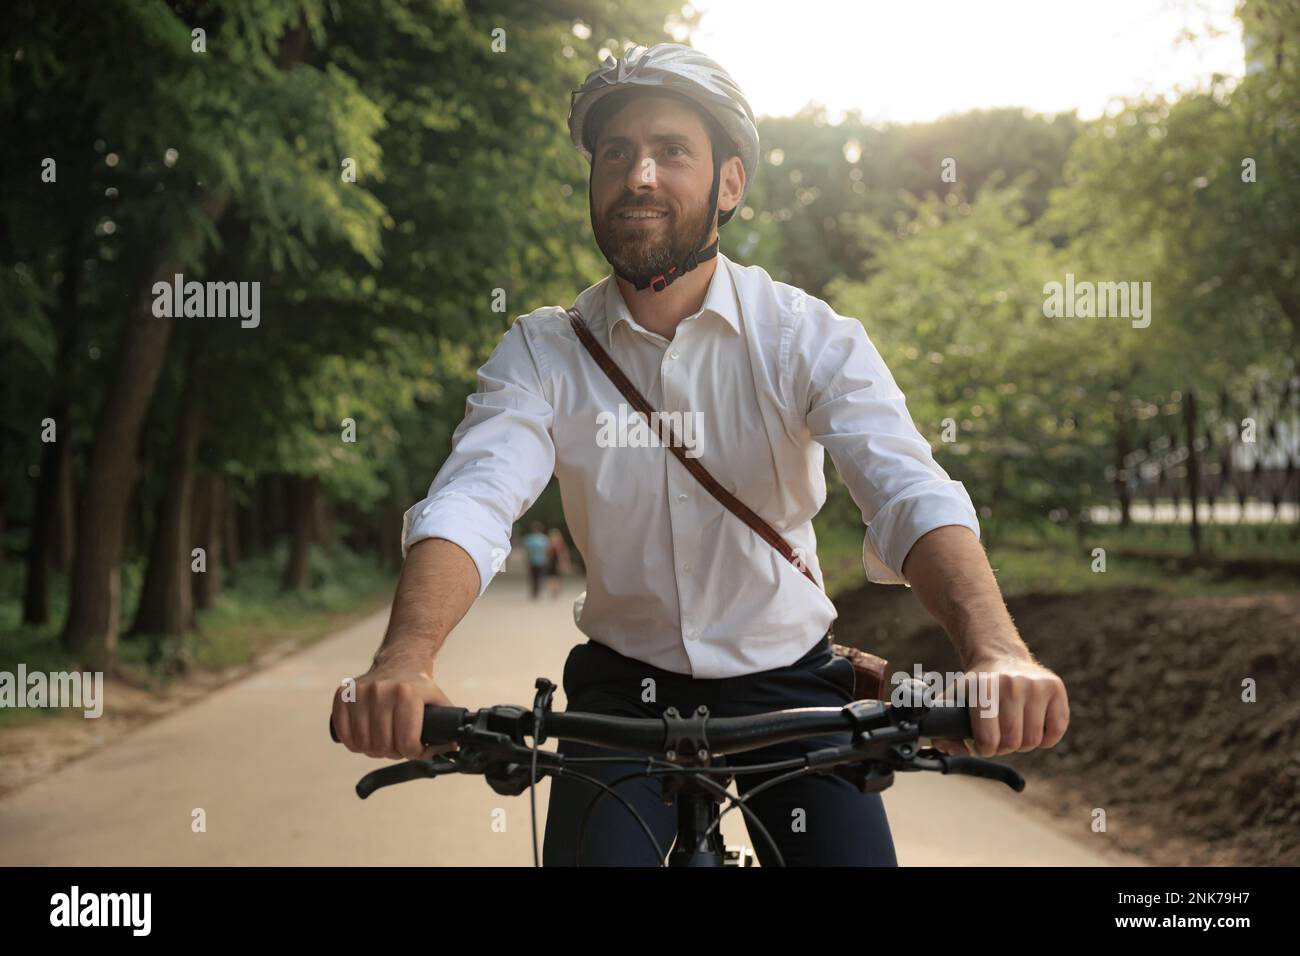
{"x": 679, "y": 750}
{"x": 946, "y": 723}
{"x": 723, "y": 735}
{"x": 492, "y": 741}
{"x": 441, "y": 724}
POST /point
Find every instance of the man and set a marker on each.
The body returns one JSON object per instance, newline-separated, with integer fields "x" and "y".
{"x": 686, "y": 604}
{"x": 538, "y": 545}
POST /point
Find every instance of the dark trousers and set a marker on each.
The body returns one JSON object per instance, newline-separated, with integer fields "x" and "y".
{"x": 535, "y": 572}
{"x": 818, "y": 820}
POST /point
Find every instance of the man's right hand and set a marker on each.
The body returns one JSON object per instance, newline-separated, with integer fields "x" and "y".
{"x": 387, "y": 715}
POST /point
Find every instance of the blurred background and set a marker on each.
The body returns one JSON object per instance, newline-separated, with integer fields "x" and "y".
{"x": 185, "y": 496}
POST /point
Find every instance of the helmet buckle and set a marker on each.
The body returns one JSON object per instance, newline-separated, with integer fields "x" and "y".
{"x": 661, "y": 282}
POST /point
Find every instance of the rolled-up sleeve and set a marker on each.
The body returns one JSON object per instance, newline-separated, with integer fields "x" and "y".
{"x": 858, "y": 413}
{"x": 502, "y": 457}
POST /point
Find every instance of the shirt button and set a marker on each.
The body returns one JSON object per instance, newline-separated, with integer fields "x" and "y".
{"x": 691, "y": 634}
{"x": 686, "y": 567}
{"x": 673, "y": 354}
{"x": 682, "y": 497}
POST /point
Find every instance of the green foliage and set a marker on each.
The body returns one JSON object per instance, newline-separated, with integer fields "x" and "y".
{"x": 817, "y": 180}
{"x": 1004, "y": 394}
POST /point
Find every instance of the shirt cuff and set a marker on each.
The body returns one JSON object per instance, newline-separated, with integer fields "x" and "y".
{"x": 460, "y": 520}
{"x": 907, "y": 516}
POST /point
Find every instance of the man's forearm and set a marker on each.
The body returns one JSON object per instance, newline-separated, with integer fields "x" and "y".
{"x": 438, "y": 584}
{"x": 949, "y": 572}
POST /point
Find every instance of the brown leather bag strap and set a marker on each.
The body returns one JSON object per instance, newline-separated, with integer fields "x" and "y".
{"x": 728, "y": 500}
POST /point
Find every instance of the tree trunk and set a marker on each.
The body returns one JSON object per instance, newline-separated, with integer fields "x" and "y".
{"x": 268, "y": 506}
{"x": 95, "y": 594}
{"x": 209, "y": 534}
{"x": 389, "y": 539}
{"x": 230, "y": 522}
{"x": 49, "y": 543}
{"x": 302, "y": 533}
{"x": 65, "y": 520}
{"x": 246, "y": 518}
{"x": 41, "y": 542}
{"x": 166, "y": 610}
{"x": 325, "y": 523}
{"x": 1122, "y": 450}
{"x": 1193, "y": 469}
{"x": 282, "y": 504}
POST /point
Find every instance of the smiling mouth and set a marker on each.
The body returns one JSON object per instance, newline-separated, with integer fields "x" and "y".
{"x": 641, "y": 215}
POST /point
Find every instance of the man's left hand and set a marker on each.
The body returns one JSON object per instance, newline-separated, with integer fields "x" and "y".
{"x": 1027, "y": 708}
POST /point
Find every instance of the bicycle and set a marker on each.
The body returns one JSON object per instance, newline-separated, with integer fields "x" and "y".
{"x": 688, "y": 753}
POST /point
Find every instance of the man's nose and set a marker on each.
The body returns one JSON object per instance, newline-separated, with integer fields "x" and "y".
{"x": 641, "y": 173}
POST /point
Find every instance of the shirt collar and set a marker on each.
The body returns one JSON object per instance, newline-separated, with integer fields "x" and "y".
{"x": 720, "y": 301}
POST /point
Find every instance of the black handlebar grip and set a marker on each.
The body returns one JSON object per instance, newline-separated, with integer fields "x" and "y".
{"x": 442, "y": 724}
{"x": 946, "y": 723}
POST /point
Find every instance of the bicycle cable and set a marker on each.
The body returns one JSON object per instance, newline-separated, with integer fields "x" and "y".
{"x": 586, "y": 815}
{"x": 621, "y": 799}
{"x": 733, "y": 801}
{"x": 759, "y": 788}
{"x": 749, "y": 816}
{"x": 541, "y": 704}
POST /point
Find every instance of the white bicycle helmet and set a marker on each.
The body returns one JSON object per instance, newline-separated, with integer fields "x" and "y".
{"x": 675, "y": 69}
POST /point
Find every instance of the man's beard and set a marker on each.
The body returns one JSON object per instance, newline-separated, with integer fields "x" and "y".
{"x": 640, "y": 253}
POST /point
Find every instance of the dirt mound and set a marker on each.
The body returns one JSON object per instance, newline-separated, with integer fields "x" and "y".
{"x": 1160, "y": 737}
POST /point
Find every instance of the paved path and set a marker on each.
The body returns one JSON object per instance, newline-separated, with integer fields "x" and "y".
{"x": 257, "y": 758}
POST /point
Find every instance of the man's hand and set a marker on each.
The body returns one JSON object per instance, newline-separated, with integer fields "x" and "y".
{"x": 950, "y": 574}
{"x": 438, "y": 584}
{"x": 1031, "y": 708}
{"x": 387, "y": 716}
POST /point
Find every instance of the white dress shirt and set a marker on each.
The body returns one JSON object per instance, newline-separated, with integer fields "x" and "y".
{"x": 673, "y": 578}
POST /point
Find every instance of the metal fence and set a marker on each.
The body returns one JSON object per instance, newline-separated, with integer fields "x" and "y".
{"x": 1234, "y": 460}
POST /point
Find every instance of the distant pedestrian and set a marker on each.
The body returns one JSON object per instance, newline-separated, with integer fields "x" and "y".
{"x": 557, "y": 561}
{"x": 538, "y": 546}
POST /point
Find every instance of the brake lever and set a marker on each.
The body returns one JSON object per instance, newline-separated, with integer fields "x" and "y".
{"x": 402, "y": 772}
{"x": 930, "y": 759}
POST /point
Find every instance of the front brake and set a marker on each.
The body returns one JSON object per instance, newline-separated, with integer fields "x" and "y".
{"x": 508, "y": 774}
{"x": 930, "y": 759}
{"x": 402, "y": 772}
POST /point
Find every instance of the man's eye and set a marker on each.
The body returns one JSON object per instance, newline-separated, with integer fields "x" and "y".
{"x": 681, "y": 149}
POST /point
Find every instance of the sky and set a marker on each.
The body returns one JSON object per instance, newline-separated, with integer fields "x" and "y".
{"x": 917, "y": 60}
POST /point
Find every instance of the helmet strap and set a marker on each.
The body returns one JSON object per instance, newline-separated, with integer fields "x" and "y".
{"x": 699, "y": 255}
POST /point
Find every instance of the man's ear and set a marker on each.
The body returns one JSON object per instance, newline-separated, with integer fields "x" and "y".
{"x": 731, "y": 183}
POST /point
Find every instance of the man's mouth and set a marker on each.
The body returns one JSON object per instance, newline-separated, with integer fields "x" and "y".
{"x": 634, "y": 215}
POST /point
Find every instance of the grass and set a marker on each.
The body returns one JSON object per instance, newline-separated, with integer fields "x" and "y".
{"x": 251, "y": 615}
{"x": 1052, "y": 559}
{"x": 1263, "y": 542}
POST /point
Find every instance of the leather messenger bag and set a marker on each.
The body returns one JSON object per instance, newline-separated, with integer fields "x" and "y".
{"x": 869, "y": 681}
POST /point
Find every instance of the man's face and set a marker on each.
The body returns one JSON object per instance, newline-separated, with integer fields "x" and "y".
{"x": 653, "y": 155}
